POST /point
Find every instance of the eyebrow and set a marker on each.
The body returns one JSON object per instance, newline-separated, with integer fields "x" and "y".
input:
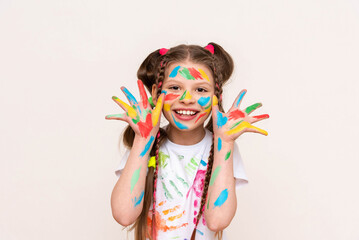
{"x": 197, "y": 82}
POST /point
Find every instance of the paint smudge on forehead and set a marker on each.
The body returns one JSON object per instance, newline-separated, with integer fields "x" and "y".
{"x": 195, "y": 73}
{"x": 174, "y": 72}
{"x": 186, "y": 74}
{"x": 203, "y": 74}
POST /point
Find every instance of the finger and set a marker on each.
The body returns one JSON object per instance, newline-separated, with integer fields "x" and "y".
{"x": 158, "y": 109}
{"x": 259, "y": 117}
{"x": 129, "y": 96}
{"x": 239, "y": 98}
{"x": 253, "y": 107}
{"x": 242, "y": 126}
{"x": 214, "y": 109}
{"x": 120, "y": 116}
{"x": 143, "y": 93}
{"x": 220, "y": 119}
{"x": 131, "y": 112}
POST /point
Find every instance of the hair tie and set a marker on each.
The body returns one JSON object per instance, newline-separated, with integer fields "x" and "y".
{"x": 159, "y": 84}
{"x": 152, "y": 162}
{"x": 163, "y": 51}
{"x": 210, "y": 48}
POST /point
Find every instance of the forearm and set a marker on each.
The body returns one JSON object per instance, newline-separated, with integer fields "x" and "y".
{"x": 221, "y": 202}
{"x": 128, "y": 193}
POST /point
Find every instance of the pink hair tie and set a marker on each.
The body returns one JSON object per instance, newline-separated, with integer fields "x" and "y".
{"x": 163, "y": 51}
{"x": 159, "y": 84}
{"x": 210, "y": 48}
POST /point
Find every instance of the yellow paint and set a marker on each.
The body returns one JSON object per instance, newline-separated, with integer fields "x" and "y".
{"x": 208, "y": 110}
{"x": 165, "y": 212}
{"x": 166, "y": 107}
{"x": 188, "y": 95}
{"x": 176, "y": 216}
{"x": 243, "y": 125}
{"x": 157, "y": 111}
{"x": 152, "y": 162}
{"x": 215, "y": 100}
{"x": 131, "y": 112}
{"x": 203, "y": 74}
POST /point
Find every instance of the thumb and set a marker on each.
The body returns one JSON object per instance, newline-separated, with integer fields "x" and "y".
{"x": 214, "y": 109}
{"x": 158, "y": 109}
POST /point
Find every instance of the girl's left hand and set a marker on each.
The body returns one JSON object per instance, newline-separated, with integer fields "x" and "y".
{"x": 229, "y": 126}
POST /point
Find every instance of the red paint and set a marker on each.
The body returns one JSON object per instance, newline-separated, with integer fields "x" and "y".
{"x": 171, "y": 96}
{"x": 236, "y": 114}
{"x": 195, "y": 204}
{"x": 142, "y": 93}
{"x": 261, "y": 116}
{"x": 145, "y": 127}
{"x": 195, "y": 73}
{"x": 203, "y": 114}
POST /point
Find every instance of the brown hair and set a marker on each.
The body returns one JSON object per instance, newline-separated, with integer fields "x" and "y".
{"x": 152, "y": 71}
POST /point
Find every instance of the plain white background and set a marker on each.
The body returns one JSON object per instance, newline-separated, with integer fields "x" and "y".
{"x": 62, "y": 61}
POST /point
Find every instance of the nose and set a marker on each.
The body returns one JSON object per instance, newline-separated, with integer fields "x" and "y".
{"x": 187, "y": 97}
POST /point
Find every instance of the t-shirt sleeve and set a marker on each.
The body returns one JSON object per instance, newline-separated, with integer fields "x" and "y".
{"x": 238, "y": 168}
{"x": 122, "y": 164}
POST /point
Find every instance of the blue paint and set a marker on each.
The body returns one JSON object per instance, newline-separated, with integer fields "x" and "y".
{"x": 174, "y": 72}
{"x": 139, "y": 199}
{"x": 220, "y": 119}
{"x": 164, "y": 91}
{"x": 178, "y": 124}
{"x": 219, "y": 144}
{"x": 221, "y": 199}
{"x": 240, "y": 98}
{"x": 130, "y": 97}
{"x": 199, "y": 232}
{"x": 147, "y": 147}
{"x": 203, "y": 163}
{"x": 203, "y": 101}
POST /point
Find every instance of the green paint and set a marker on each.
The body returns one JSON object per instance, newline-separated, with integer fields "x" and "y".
{"x": 208, "y": 203}
{"x": 167, "y": 193}
{"x": 182, "y": 181}
{"x": 176, "y": 237}
{"x": 186, "y": 74}
{"x": 194, "y": 162}
{"x": 135, "y": 177}
{"x": 121, "y": 115}
{"x": 145, "y": 112}
{"x": 252, "y": 108}
{"x": 227, "y": 155}
{"x": 162, "y": 159}
{"x": 236, "y": 124}
{"x": 209, "y": 105}
{"x": 183, "y": 95}
{"x": 191, "y": 166}
{"x": 214, "y": 175}
{"x": 188, "y": 170}
{"x": 174, "y": 186}
{"x": 136, "y": 120}
{"x": 180, "y": 157}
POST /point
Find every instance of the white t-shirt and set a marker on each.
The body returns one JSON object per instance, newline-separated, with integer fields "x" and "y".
{"x": 181, "y": 173}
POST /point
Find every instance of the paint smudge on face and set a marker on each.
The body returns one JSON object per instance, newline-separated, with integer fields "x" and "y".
{"x": 145, "y": 127}
{"x": 203, "y": 74}
{"x": 221, "y": 199}
{"x": 203, "y": 101}
{"x": 147, "y": 147}
{"x": 171, "y": 96}
{"x": 243, "y": 125}
{"x": 188, "y": 96}
{"x": 168, "y": 195}
{"x": 236, "y": 114}
{"x": 252, "y": 108}
{"x": 228, "y": 154}
{"x": 178, "y": 124}
{"x": 186, "y": 74}
{"x": 221, "y": 120}
{"x": 130, "y": 97}
{"x": 198, "y": 183}
{"x": 194, "y": 73}
{"x": 240, "y": 98}
{"x": 166, "y": 107}
{"x": 176, "y": 189}
{"x": 183, "y": 95}
{"x": 174, "y": 72}
{"x": 203, "y": 163}
{"x": 219, "y": 145}
{"x": 164, "y": 91}
{"x": 176, "y": 216}
{"x": 200, "y": 116}
{"x": 139, "y": 199}
{"x": 165, "y": 212}
{"x": 135, "y": 177}
{"x": 182, "y": 181}
{"x": 214, "y": 175}
{"x": 131, "y": 112}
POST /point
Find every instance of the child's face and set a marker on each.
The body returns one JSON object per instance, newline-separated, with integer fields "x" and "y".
{"x": 189, "y": 89}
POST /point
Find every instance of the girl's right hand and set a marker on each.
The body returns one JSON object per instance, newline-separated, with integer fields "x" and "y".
{"x": 144, "y": 120}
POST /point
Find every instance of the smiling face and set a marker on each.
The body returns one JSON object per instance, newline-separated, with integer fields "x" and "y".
{"x": 189, "y": 89}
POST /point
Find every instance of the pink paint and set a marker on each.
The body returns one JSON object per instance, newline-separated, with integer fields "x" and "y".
{"x": 195, "y": 203}
{"x": 203, "y": 221}
{"x": 195, "y": 213}
{"x": 198, "y": 183}
{"x": 171, "y": 96}
{"x": 236, "y": 114}
{"x": 195, "y": 73}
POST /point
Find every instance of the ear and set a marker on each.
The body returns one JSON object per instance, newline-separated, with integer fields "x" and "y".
{"x": 154, "y": 94}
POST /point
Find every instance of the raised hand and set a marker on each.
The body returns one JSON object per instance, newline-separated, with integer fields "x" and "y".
{"x": 139, "y": 115}
{"x": 229, "y": 126}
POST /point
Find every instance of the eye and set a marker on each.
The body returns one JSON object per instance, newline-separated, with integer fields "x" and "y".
{"x": 201, "y": 90}
{"x": 174, "y": 88}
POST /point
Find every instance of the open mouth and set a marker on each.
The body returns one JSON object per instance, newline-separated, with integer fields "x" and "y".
{"x": 185, "y": 114}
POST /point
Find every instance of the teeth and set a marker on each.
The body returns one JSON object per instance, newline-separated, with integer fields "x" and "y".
{"x": 182, "y": 112}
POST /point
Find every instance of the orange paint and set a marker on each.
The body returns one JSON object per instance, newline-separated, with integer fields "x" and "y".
{"x": 165, "y": 212}
{"x": 176, "y": 216}
{"x": 161, "y": 203}
{"x": 161, "y": 223}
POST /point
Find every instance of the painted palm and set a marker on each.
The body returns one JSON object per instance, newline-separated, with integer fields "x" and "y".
{"x": 229, "y": 126}
{"x": 139, "y": 115}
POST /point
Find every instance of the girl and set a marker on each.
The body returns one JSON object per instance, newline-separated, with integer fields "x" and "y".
{"x": 178, "y": 182}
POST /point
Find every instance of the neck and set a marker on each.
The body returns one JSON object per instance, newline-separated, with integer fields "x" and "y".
{"x": 185, "y": 137}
